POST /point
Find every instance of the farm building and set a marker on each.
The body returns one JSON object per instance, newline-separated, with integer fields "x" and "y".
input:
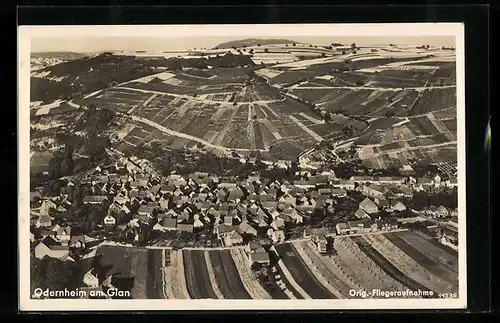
{"x": 361, "y": 226}
{"x": 259, "y": 257}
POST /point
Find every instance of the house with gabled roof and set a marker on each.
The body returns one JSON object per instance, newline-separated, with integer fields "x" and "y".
{"x": 246, "y": 228}
{"x": 77, "y": 241}
{"x": 46, "y": 206}
{"x": 360, "y": 214}
{"x": 120, "y": 200}
{"x": 232, "y": 238}
{"x": 259, "y": 257}
{"x": 109, "y": 220}
{"x": 167, "y": 189}
{"x": 197, "y": 222}
{"x": 296, "y": 217}
{"x": 338, "y": 192}
{"x": 368, "y": 206}
{"x": 253, "y": 208}
{"x": 342, "y": 228}
{"x": 287, "y": 200}
{"x": 253, "y": 196}
{"x": 276, "y": 236}
{"x": 269, "y": 204}
{"x": 147, "y": 210}
{"x": 363, "y": 179}
{"x": 397, "y": 206}
{"x": 382, "y": 202}
{"x": 235, "y": 194}
{"x": 228, "y": 220}
{"x": 278, "y": 224}
{"x": 227, "y": 185}
{"x": 361, "y": 226}
{"x": 49, "y": 247}
{"x": 169, "y": 224}
{"x": 391, "y": 179}
{"x": 43, "y": 221}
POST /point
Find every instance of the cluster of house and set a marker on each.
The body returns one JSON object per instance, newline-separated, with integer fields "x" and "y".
{"x": 232, "y": 209}
{"x": 61, "y": 243}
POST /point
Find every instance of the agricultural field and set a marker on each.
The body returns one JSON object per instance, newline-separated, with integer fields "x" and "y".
{"x": 391, "y": 261}
{"x": 404, "y": 96}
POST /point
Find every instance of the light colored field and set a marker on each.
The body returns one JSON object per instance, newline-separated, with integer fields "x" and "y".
{"x": 175, "y": 281}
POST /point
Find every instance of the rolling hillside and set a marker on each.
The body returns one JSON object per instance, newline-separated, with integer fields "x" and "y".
{"x": 253, "y": 42}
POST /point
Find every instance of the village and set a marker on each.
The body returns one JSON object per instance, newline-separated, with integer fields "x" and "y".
{"x": 131, "y": 204}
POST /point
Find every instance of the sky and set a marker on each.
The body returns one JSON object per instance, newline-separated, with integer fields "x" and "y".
{"x": 96, "y": 44}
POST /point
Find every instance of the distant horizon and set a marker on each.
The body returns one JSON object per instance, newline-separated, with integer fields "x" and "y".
{"x": 123, "y": 43}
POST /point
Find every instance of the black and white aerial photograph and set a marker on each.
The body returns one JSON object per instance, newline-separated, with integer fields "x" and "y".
{"x": 242, "y": 164}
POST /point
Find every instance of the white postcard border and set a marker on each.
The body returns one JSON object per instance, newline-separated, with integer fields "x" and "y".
{"x": 400, "y": 29}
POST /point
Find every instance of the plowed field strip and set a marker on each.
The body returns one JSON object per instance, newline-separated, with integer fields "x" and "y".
{"x": 435, "y": 253}
{"x": 220, "y": 275}
{"x": 154, "y": 288}
{"x": 383, "y": 263}
{"x": 301, "y": 273}
{"x": 197, "y": 278}
{"x": 233, "y": 276}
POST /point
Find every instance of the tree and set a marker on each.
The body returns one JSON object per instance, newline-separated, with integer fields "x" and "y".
{"x": 353, "y": 45}
{"x": 266, "y": 50}
{"x": 53, "y": 274}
